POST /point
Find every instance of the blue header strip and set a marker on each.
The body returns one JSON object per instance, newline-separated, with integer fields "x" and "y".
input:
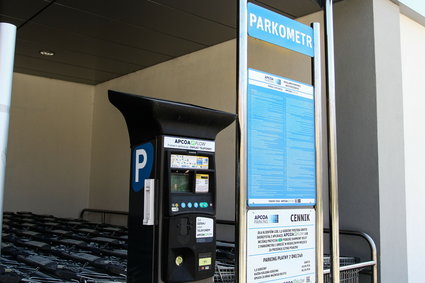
{"x": 280, "y": 30}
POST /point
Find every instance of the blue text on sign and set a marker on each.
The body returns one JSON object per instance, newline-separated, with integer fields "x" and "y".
{"x": 280, "y": 30}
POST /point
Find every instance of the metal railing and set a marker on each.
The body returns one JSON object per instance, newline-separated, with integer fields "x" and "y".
{"x": 102, "y": 212}
{"x": 372, "y": 263}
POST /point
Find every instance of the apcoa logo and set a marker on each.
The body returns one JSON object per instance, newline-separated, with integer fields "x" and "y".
{"x": 272, "y": 80}
{"x": 182, "y": 141}
{"x": 264, "y": 219}
{"x": 192, "y": 143}
{"x": 269, "y": 79}
{"x": 261, "y": 216}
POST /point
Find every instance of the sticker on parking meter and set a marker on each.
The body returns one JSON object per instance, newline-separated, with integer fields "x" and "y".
{"x": 281, "y": 245}
{"x": 202, "y": 183}
{"x": 204, "y": 229}
{"x": 141, "y": 167}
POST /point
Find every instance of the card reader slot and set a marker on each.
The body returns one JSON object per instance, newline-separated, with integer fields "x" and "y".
{"x": 149, "y": 202}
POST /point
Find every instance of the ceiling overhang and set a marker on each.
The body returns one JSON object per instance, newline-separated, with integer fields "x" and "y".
{"x": 95, "y": 41}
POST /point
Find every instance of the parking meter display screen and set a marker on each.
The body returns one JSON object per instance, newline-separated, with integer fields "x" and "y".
{"x": 180, "y": 183}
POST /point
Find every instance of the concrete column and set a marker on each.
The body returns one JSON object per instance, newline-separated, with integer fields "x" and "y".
{"x": 358, "y": 170}
{"x": 7, "y": 53}
{"x": 370, "y": 130}
{"x": 389, "y": 108}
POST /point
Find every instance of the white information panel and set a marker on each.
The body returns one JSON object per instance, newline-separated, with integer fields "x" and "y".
{"x": 202, "y": 183}
{"x": 281, "y": 246}
{"x": 204, "y": 227}
{"x": 191, "y": 144}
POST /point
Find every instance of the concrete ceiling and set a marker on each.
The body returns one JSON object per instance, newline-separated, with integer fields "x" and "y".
{"x": 98, "y": 40}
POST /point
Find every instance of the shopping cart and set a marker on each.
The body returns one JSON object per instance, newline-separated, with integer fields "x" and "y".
{"x": 225, "y": 262}
{"x": 224, "y": 273}
{"x": 346, "y": 276}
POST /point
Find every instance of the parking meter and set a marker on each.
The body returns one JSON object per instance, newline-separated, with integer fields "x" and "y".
{"x": 171, "y": 226}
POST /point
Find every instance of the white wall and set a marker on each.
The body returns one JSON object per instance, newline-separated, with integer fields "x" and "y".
{"x": 389, "y": 105}
{"x": 413, "y": 75}
{"x": 48, "y": 159}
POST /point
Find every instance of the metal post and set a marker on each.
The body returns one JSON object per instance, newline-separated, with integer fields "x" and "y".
{"x": 317, "y": 81}
{"x": 7, "y": 52}
{"x": 332, "y": 142}
{"x": 242, "y": 107}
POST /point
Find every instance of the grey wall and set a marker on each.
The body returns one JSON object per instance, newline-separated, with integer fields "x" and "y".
{"x": 48, "y": 158}
{"x": 356, "y": 117}
{"x": 358, "y": 168}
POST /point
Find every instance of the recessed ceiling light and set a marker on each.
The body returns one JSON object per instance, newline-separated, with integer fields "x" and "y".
{"x": 47, "y": 53}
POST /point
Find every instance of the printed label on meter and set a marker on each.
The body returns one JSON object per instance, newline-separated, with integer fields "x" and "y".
{"x": 204, "y": 229}
{"x": 202, "y": 183}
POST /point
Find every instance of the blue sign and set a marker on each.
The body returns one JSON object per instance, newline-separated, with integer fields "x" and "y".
{"x": 281, "y": 141}
{"x": 280, "y": 30}
{"x": 142, "y": 163}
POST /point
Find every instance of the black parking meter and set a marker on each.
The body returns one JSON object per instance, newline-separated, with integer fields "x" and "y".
{"x": 171, "y": 226}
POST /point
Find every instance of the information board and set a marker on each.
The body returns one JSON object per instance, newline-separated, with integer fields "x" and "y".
{"x": 281, "y": 141}
{"x": 281, "y": 245}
